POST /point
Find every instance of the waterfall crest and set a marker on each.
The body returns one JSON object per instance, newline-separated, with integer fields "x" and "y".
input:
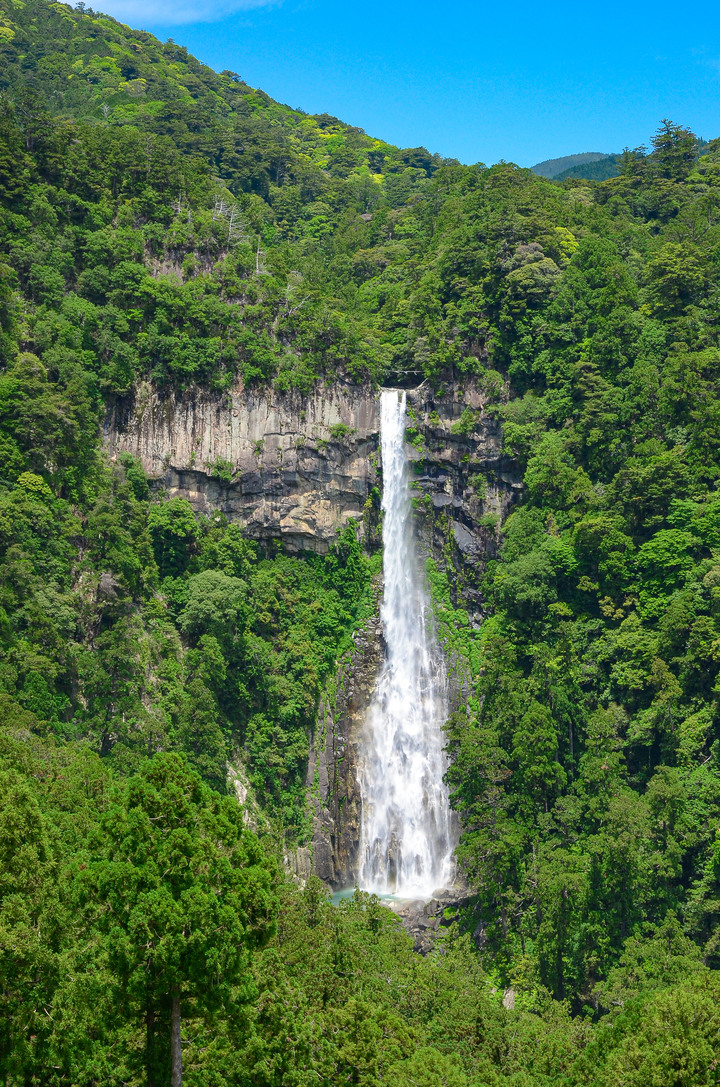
{"x": 406, "y": 839}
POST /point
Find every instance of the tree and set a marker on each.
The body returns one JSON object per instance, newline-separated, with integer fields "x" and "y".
{"x": 187, "y": 894}
{"x": 669, "y": 1039}
{"x": 28, "y": 922}
{"x": 677, "y": 278}
{"x": 173, "y": 529}
{"x": 491, "y": 845}
{"x": 535, "y": 748}
{"x": 200, "y": 735}
{"x": 675, "y": 150}
{"x": 427, "y": 1068}
{"x": 216, "y": 605}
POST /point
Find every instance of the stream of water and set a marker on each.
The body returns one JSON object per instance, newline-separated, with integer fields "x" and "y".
{"x": 406, "y": 840}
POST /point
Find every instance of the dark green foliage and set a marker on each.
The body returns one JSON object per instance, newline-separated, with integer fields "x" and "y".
{"x": 600, "y": 170}
{"x": 553, "y": 168}
{"x": 117, "y": 894}
{"x": 163, "y": 223}
{"x": 187, "y": 896}
{"x": 586, "y": 769}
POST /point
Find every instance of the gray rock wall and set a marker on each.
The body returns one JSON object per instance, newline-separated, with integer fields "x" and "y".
{"x": 300, "y": 468}
{"x": 332, "y": 779}
{"x": 465, "y": 485}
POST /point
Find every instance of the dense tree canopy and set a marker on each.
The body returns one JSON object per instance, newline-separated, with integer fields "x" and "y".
{"x": 159, "y": 221}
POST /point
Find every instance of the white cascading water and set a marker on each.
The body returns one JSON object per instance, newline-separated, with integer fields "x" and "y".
{"x": 406, "y": 839}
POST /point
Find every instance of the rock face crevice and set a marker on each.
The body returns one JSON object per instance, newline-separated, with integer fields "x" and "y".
{"x": 301, "y": 467}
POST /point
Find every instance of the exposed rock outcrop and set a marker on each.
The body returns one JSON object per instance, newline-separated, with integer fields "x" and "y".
{"x": 464, "y": 483}
{"x": 299, "y": 468}
{"x": 332, "y": 778}
{"x": 425, "y": 920}
{"x": 282, "y": 464}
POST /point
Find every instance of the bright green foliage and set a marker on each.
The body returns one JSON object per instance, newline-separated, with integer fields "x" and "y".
{"x": 169, "y": 222}
{"x": 185, "y": 896}
{"x": 585, "y": 768}
{"x": 670, "y": 1039}
{"x": 173, "y": 530}
{"x": 163, "y": 223}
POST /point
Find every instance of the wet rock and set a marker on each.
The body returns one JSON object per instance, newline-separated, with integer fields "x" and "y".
{"x": 332, "y": 778}
{"x": 468, "y": 543}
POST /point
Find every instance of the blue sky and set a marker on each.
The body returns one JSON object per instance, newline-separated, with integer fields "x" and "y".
{"x": 479, "y": 82}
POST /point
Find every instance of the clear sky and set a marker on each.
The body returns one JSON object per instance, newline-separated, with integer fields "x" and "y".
{"x": 475, "y": 81}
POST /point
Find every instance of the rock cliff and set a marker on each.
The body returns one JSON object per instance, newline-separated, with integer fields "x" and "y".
{"x": 332, "y": 779}
{"x": 282, "y": 464}
{"x": 464, "y": 483}
{"x": 299, "y": 468}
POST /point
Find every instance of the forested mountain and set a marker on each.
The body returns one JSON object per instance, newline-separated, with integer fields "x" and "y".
{"x": 600, "y": 170}
{"x": 161, "y": 222}
{"x": 556, "y": 167}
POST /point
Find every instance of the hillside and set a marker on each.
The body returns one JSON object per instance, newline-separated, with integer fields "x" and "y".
{"x": 90, "y": 67}
{"x": 220, "y": 170}
{"x": 174, "y": 245}
{"x": 599, "y": 170}
{"x": 554, "y": 167}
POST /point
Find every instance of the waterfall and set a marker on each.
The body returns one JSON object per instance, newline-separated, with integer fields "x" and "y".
{"x": 406, "y": 839}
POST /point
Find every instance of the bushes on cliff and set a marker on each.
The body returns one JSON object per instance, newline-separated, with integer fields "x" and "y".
{"x": 139, "y": 626}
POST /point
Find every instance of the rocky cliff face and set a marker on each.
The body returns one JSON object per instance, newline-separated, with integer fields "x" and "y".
{"x": 464, "y": 483}
{"x": 299, "y": 468}
{"x": 332, "y": 779}
{"x": 281, "y": 464}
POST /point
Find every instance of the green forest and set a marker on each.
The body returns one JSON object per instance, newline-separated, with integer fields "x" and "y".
{"x": 163, "y": 222}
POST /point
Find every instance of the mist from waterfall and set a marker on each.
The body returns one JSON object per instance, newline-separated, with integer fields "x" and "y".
{"x": 406, "y": 839}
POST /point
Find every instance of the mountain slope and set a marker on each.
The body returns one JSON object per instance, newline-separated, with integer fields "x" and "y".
{"x": 215, "y": 170}
{"x": 598, "y": 170}
{"x": 90, "y": 67}
{"x": 197, "y": 235}
{"x": 553, "y": 167}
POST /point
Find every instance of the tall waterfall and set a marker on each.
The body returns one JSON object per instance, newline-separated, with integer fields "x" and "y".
{"x": 406, "y": 832}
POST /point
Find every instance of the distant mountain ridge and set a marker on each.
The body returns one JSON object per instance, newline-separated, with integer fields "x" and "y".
{"x": 554, "y": 167}
{"x": 600, "y": 170}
